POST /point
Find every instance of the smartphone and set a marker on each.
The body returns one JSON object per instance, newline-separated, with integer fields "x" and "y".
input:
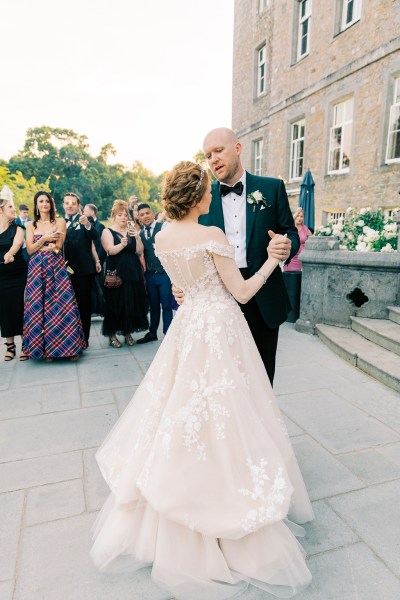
{"x": 132, "y": 227}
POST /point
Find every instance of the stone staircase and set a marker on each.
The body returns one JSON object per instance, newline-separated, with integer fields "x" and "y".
{"x": 372, "y": 345}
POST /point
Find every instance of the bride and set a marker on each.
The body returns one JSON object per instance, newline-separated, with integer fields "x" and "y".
{"x": 204, "y": 483}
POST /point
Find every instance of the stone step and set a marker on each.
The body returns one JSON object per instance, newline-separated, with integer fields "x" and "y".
{"x": 383, "y": 332}
{"x": 378, "y": 362}
{"x": 394, "y": 313}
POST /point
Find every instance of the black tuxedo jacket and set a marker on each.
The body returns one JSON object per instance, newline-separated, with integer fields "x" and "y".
{"x": 78, "y": 249}
{"x": 272, "y": 299}
{"x": 99, "y": 227}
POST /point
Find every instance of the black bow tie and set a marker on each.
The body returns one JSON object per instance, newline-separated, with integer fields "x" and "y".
{"x": 236, "y": 189}
{"x": 70, "y": 219}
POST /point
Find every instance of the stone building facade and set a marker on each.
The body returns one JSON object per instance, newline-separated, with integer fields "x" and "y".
{"x": 316, "y": 84}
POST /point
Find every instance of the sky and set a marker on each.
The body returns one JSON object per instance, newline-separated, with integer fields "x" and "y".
{"x": 150, "y": 77}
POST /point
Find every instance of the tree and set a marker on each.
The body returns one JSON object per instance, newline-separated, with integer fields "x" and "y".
{"x": 23, "y": 189}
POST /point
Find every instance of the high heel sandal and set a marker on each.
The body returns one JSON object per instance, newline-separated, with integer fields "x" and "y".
{"x": 114, "y": 342}
{"x": 11, "y": 349}
{"x": 23, "y": 357}
{"x": 129, "y": 341}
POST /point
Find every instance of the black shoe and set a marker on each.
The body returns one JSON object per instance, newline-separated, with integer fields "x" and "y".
{"x": 149, "y": 337}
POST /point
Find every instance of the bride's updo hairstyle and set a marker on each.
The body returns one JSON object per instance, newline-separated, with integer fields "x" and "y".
{"x": 119, "y": 206}
{"x": 183, "y": 187}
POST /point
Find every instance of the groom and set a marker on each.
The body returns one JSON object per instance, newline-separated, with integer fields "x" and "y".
{"x": 250, "y": 209}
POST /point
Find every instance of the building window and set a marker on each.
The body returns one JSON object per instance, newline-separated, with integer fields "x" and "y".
{"x": 303, "y": 36}
{"x": 296, "y": 150}
{"x": 351, "y": 12}
{"x": 340, "y": 137}
{"x": 393, "y": 141}
{"x": 258, "y": 152}
{"x": 333, "y": 215}
{"x": 262, "y": 5}
{"x": 261, "y": 67}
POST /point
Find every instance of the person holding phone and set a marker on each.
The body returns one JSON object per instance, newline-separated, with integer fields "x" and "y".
{"x": 52, "y": 325}
{"x": 125, "y": 306}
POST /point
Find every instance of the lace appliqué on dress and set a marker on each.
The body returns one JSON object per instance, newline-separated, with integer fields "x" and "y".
{"x": 268, "y": 510}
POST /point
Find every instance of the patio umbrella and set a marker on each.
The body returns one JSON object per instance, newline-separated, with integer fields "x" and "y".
{"x": 306, "y": 200}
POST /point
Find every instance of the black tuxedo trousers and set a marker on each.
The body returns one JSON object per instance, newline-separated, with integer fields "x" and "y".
{"x": 266, "y": 338}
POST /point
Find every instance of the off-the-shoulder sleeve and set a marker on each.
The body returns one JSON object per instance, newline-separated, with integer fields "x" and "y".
{"x": 221, "y": 249}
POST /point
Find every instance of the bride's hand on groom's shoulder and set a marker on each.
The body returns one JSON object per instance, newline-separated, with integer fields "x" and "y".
{"x": 179, "y": 295}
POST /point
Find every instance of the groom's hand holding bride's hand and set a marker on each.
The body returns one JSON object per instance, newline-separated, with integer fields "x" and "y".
{"x": 279, "y": 246}
{"x": 179, "y": 295}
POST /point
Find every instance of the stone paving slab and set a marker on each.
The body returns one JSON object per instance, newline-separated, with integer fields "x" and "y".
{"x": 334, "y": 423}
{"x": 350, "y": 573}
{"x": 40, "y": 471}
{"x": 327, "y": 532}
{"x": 376, "y": 465}
{"x": 103, "y": 373}
{"x": 6, "y": 589}
{"x": 374, "y": 514}
{"x": 55, "y": 432}
{"x": 11, "y": 510}
{"x": 54, "y": 501}
{"x": 375, "y": 399}
{"x": 323, "y": 474}
{"x": 96, "y": 489}
{"x": 55, "y": 565}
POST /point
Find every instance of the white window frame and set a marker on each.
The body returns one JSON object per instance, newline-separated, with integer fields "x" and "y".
{"x": 304, "y": 21}
{"x": 262, "y": 5}
{"x": 356, "y": 4}
{"x": 333, "y": 215}
{"x": 296, "y": 153}
{"x": 258, "y": 155}
{"x": 345, "y": 125}
{"x": 261, "y": 70}
{"x": 394, "y": 115}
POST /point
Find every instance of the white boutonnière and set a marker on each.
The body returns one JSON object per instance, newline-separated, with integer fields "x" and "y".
{"x": 257, "y": 198}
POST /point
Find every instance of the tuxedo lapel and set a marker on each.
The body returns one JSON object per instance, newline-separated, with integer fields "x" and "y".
{"x": 216, "y": 212}
{"x": 251, "y": 186}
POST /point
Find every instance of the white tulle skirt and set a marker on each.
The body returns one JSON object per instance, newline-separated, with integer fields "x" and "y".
{"x": 204, "y": 483}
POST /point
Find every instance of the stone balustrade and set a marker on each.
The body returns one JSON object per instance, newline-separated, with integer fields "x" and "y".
{"x": 338, "y": 284}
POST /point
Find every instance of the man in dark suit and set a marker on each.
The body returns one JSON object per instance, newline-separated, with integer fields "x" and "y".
{"x": 90, "y": 211}
{"x": 250, "y": 210}
{"x": 78, "y": 254}
{"x": 158, "y": 284}
{"x": 22, "y": 220}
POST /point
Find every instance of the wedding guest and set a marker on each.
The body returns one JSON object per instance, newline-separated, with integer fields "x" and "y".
{"x": 158, "y": 283}
{"x": 99, "y": 256}
{"x": 22, "y": 219}
{"x": 90, "y": 210}
{"x": 133, "y": 202}
{"x": 204, "y": 482}
{"x": 13, "y": 271}
{"x": 126, "y": 307}
{"x": 78, "y": 253}
{"x": 247, "y": 207}
{"x": 304, "y": 233}
{"x": 52, "y": 325}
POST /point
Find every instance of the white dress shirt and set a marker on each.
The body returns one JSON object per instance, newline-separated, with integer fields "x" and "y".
{"x": 234, "y": 209}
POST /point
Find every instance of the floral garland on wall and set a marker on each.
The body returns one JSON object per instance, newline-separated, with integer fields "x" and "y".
{"x": 365, "y": 230}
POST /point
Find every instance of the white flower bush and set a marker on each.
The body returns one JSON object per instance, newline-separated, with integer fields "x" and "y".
{"x": 365, "y": 230}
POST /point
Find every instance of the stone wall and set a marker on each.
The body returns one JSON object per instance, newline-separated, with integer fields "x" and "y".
{"x": 360, "y": 62}
{"x": 337, "y": 284}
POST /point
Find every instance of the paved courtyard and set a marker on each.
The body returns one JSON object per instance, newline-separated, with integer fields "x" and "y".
{"x": 344, "y": 426}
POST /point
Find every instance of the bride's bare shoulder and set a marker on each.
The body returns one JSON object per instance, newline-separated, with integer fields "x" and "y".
{"x": 216, "y": 234}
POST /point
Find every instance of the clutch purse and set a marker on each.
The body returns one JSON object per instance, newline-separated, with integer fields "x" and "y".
{"x": 112, "y": 279}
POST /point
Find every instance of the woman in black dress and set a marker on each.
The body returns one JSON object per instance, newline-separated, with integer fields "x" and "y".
{"x": 13, "y": 270}
{"x": 126, "y": 307}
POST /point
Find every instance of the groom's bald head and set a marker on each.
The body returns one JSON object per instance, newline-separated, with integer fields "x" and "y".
{"x": 222, "y": 150}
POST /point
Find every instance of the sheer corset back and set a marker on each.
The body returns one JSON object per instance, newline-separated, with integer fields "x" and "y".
{"x": 193, "y": 270}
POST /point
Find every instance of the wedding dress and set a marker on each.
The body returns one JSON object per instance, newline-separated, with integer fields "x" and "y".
{"x": 204, "y": 482}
